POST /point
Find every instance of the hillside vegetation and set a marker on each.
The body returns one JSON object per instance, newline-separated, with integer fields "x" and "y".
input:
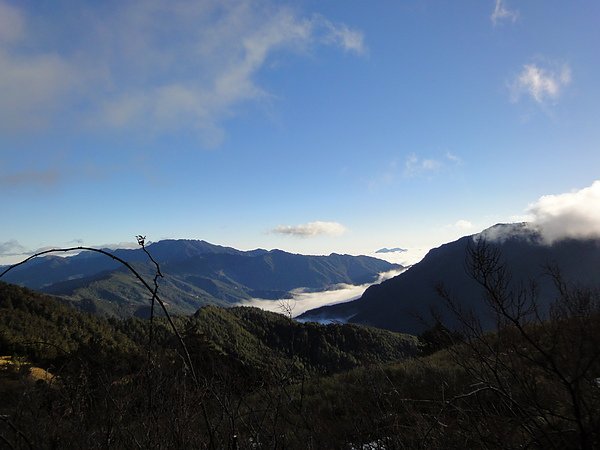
{"x": 196, "y": 273}
{"x": 261, "y": 380}
{"x": 405, "y": 303}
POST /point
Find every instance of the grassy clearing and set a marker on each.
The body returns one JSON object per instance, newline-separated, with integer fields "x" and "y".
{"x": 15, "y": 367}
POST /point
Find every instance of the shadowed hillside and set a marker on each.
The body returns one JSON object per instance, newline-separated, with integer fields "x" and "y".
{"x": 405, "y": 302}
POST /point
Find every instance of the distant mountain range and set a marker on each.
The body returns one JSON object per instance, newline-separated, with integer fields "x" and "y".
{"x": 404, "y": 303}
{"x": 391, "y": 250}
{"x": 196, "y": 273}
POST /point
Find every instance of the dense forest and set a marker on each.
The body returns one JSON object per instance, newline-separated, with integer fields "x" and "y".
{"x": 245, "y": 378}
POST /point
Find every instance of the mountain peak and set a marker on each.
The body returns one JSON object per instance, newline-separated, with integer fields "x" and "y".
{"x": 391, "y": 250}
{"x": 502, "y": 232}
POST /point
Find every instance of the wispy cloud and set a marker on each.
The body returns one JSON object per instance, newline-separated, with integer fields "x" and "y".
{"x": 574, "y": 214}
{"x": 123, "y": 245}
{"x": 415, "y": 165}
{"x": 159, "y": 66}
{"x": 451, "y": 157}
{"x": 342, "y": 36}
{"x": 503, "y": 13}
{"x": 541, "y": 84}
{"x": 11, "y": 247}
{"x": 311, "y": 229}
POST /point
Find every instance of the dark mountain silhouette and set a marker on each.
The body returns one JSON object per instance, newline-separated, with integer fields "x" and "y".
{"x": 196, "y": 273}
{"x": 405, "y": 302}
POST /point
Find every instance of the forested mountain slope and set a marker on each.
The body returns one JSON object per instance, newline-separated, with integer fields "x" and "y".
{"x": 196, "y": 273}
{"x": 404, "y": 303}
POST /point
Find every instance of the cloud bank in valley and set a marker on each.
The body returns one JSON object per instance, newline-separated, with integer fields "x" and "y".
{"x": 311, "y": 229}
{"x": 302, "y": 301}
{"x": 574, "y": 214}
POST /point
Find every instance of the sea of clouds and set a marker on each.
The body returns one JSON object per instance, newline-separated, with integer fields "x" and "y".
{"x": 303, "y": 300}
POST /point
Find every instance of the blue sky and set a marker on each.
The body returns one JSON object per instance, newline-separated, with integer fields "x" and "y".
{"x": 311, "y": 126}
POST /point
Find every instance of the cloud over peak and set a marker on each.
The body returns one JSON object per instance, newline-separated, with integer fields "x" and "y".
{"x": 573, "y": 215}
{"x": 311, "y": 229}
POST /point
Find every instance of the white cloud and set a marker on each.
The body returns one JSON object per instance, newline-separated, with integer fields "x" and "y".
{"x": 346, "y": 38}
{"x": 502, "y": 232}
{"x": 571, "y": 215}
{"x": 311, "y": 229}
{"x": 303, "y": 300}
{"x": 463, "y": 225}
{"x": 159, "y": 66}
{"x": 502, "y": 12}
{"x": 125, "y": 244}
{"x": 408, "y": 257}
{"x": 541, "y": 84}
{"x": 415, "y": 165}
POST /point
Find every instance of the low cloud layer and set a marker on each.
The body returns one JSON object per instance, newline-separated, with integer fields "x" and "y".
{"x": 311, "y": 229}
{"x": 302, "y": 301}
{"x": 572, "y": 215}
{"x": 539, "y": 83}
{"x": 408, "y": 257}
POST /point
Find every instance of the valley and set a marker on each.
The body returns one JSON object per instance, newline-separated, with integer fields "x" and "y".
{"x": 89, "y": 361}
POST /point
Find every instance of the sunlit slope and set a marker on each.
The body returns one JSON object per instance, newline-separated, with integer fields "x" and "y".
{"x": 196, "y": 273}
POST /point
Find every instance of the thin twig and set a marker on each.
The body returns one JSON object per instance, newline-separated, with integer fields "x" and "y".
{"x": 188, "y": 359}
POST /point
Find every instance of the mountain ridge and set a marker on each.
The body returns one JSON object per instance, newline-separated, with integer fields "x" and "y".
{"x": 196, "y": 273}
{"x": 404, "y": 303}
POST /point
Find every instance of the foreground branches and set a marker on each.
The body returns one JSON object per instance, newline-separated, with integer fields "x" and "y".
{"x": 539, "y": 372}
